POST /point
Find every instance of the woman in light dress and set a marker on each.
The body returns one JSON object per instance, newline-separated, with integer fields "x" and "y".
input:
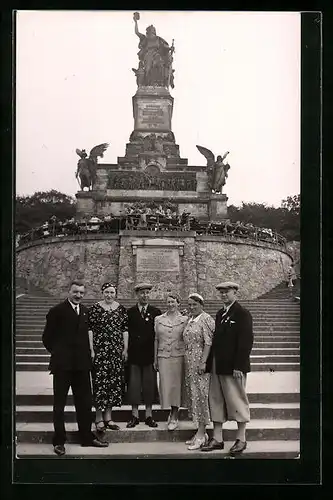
{"x": 197, "y": 337}
{"x": 169, "y": 358}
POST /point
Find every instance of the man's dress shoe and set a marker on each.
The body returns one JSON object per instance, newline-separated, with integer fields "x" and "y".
{"x": 133, "y": 422}
{"x": 59, "y": 449}
{"x": 96, "y": 443}
{"x": 150, "y": 422}
{"x": 213, "y": 445}
{"x": 238, "y": 447}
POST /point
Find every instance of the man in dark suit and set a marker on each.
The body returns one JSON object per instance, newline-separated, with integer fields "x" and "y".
{"x": 66, "y": 337}
{"x": 229, "y": 362}
{"x": 141, "y": 337}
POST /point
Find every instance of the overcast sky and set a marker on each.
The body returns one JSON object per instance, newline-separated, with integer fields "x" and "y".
{"x": 237, "y": 88}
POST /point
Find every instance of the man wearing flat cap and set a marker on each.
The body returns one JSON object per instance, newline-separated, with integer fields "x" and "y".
{"x": 142, "y": 385}
{"x": 228, "y": 363}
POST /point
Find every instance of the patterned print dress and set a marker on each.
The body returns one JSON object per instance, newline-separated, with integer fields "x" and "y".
{"x": 108, "y": 370}
{"x": 198, "y": 333}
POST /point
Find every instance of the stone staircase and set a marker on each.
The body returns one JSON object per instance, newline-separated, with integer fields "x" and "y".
{"x": 276, "y": 330}
{"x": 273, "y": 387}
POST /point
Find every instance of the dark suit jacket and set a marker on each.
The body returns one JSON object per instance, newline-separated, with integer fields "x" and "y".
{"x": 66, "y": 338}
{"x": 141, "y": 335}
{"x": 232, "y": 341}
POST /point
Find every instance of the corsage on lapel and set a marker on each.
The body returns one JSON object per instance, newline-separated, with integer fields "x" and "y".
{"x": 147, "y": 316}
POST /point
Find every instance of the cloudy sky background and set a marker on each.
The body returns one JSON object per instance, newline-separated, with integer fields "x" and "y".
{"x": 237, "y": 88}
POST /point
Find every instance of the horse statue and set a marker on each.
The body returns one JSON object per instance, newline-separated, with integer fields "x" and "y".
{"x": 86, "y": 172}
{"x": 217, "y": 170}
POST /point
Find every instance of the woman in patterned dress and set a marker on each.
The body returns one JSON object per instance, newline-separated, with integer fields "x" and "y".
{"x": 109, "y": 339}
{"x": 197, "y": 336}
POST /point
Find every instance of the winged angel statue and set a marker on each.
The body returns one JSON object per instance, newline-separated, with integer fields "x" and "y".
{"x": 86, "y": 167}
{"x": 217, "y": 170}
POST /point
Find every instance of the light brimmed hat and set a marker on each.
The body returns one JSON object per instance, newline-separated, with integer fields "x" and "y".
{"x": 226, "y": 285}
{"x": 143, "y": 286}
{"x": 196, "y": 297}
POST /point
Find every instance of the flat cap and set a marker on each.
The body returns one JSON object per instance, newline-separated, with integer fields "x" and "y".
{"x": 143, "y": 286}
{"x": 226, "y": 285}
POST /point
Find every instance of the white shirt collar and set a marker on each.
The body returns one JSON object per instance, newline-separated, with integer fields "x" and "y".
{"x": 194, "y": 320}
{"x": 228, "y": 307}
{"x": 74, "y": 306}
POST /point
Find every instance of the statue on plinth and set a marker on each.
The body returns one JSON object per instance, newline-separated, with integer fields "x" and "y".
{"x": 155, "y": 58}
{"x": 217, "y": 170}
{"x": 86, "y": 172}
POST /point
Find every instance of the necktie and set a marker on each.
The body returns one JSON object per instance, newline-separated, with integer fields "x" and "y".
{"x": 77, "y": 310}
{"x": 143, "y": 311}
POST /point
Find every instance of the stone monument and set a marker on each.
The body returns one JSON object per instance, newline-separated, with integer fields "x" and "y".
{"x": 152, "y": 168}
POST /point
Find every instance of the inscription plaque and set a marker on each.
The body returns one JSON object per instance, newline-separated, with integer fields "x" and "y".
{"x": 157, "y": 259}
{"x": 153, "y": 115}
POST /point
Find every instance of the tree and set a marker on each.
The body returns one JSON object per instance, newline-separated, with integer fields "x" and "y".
{"x": 32, "y": 211}
{"x": 292, "y": 204}
{"x": 284, "y": 219}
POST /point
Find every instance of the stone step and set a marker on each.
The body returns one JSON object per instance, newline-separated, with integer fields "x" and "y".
{"x": 46, "y": 399}
{"x": 40, "y": 350}
{"x": 290, "y": 339}
{"x": 37, "y": 344}
{"x": 283, "y": 429}
{"x": 261, "y": 411}
{"x": 258, "y": 358}
{"x": 33, "y": 322}
{"x": 255, "y": 366}
{"x": 277, "y": 449}
{"x": 255, "y": 304}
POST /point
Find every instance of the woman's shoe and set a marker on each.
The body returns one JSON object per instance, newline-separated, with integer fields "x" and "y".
{"x": 172, "y": 425}
{"x": 198, "y": 443}
{"x": 191, "y": 441}
{"x": 100, "y": 428}
{"x": 111, "y": 425}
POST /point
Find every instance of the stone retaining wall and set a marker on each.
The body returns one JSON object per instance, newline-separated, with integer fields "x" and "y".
{"x": 205, "y": 260}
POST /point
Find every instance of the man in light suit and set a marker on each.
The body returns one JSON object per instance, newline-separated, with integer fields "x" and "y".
{"x": 67, "y": 340}
{"x": 141, "y": 338}
{"x": 229, "y": 362}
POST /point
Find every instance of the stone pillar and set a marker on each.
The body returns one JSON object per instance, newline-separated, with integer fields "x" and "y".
{"x": 152, "y": 109}
{"x": 218, "y": 209}
{"x": 85, "y": 206}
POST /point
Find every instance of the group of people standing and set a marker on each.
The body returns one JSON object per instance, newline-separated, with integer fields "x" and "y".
{"x": 202, "y": 363}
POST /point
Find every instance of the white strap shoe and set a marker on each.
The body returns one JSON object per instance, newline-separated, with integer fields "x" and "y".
{"x": 198, "y": 443}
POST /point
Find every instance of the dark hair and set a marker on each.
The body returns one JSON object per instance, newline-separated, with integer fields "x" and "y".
{"x": 77, "y": 283}
{"x": 108, "y": 285}
{"x": 174, "y": 295}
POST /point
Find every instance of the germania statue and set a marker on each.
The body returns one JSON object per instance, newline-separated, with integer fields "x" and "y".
{"x": 155, "y": 58}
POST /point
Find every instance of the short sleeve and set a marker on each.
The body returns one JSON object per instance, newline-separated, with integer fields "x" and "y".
{"x": 125, "y": 320}
{"x": 92, "y": 317}
{"x": 156, "y": 320}
{"x": 208, "y": 327}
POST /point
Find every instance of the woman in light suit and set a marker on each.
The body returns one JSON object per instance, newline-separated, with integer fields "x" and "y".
{"x": 169, "y": 357}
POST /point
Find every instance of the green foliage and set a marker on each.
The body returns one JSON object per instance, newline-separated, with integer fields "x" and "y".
{"x": 32, "y": 211}
{"x": 284, "y": 220}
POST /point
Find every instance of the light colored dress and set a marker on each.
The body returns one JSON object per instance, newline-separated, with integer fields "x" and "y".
{"x": 170, "y": 354}
{"x": 198, "y": 333}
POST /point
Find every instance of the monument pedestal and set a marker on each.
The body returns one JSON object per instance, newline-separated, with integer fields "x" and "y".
{"x": 218, "y": 209}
